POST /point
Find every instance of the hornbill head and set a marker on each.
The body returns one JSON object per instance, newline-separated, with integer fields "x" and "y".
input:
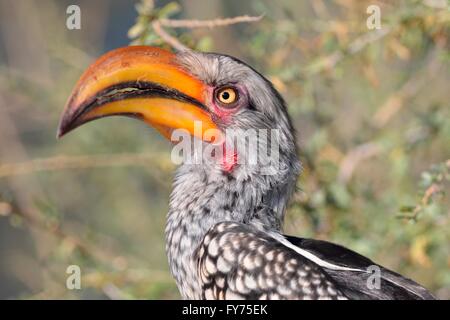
{"x": 177, "y": 91}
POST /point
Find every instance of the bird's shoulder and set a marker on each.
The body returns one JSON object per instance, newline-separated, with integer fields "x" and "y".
{"x": 239, "y": 261}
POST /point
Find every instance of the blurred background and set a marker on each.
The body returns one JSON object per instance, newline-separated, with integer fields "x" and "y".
{"x": 371, "y": 108}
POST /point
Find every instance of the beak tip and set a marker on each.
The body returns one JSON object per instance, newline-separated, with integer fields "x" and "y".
{"x": 59, "y": 134}
{"x": 64, "y": 127}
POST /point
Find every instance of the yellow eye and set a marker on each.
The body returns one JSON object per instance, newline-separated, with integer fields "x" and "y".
{"x": 227, "y": 95}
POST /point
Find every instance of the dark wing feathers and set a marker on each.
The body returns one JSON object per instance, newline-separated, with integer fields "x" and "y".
{"x": 237, "y": 261}
{"x": 354, "y": 284}
{"x": 332, "y": 253}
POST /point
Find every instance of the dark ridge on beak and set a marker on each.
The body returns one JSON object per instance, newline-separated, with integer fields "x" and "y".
{"x": 71, "y": 121}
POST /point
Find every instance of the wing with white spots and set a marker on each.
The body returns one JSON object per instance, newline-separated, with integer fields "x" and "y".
{"x": 353, "y": 272}
{"x": 237, "y": 261}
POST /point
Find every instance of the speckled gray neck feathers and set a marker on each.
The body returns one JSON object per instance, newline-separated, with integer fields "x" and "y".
{"x": 202, "y": 198}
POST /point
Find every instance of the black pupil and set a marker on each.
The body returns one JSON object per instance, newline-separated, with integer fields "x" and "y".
{"x": 225, "y": 95}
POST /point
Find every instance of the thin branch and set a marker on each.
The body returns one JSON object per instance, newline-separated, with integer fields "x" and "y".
{"x": 219, "y": 22}
{"x": 34, "y": 221}
{"x": 435, "y": 188}
{"x": 172, "y": 41}
{"x": 354, "y": 157}
{"x": 113, "y": 292}
{"x": 106, "y": 283}
{"x": 408, "y": 90}
{"x": 431, "y": 191}
{"x": 79, "y": 162}
{"x": 361, "y": 42}
{"x": 158, "y": 25}
{"x": 331, "y": 60}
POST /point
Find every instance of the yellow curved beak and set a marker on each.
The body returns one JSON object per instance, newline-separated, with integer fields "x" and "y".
{"x": 142, "y": 82}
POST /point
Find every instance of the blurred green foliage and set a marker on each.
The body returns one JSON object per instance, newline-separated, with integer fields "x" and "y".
{"x": 372, "y": 112}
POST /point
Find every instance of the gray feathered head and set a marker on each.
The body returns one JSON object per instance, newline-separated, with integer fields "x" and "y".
{"x": 177, "y": 91}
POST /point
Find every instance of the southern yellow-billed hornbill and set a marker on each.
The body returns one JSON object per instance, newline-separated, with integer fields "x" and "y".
{"x": 223, "y": 230}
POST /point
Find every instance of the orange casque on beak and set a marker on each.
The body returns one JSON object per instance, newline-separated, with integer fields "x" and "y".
{"x": 143, "y": 82}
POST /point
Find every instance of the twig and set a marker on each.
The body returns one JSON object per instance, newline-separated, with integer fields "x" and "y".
{"x": 36, "y": 223}
{"x": 172, "y": 41}
{"x": 331, "y": 60}
{"x": 32, "y": 220}
{"x": 12, "y": 147}
{"x": 409, "y": 89}
{"x": 354, "y": 157}
{"x": 106, "y": 284}
{"x": 190, "y": 24}
{"x": 113, "y": 292}
{"x": 431, "y": 191}
{"x": 158, "y": 25}
{"x": 361, "y": 42}
{"x": 78, "y": 162}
